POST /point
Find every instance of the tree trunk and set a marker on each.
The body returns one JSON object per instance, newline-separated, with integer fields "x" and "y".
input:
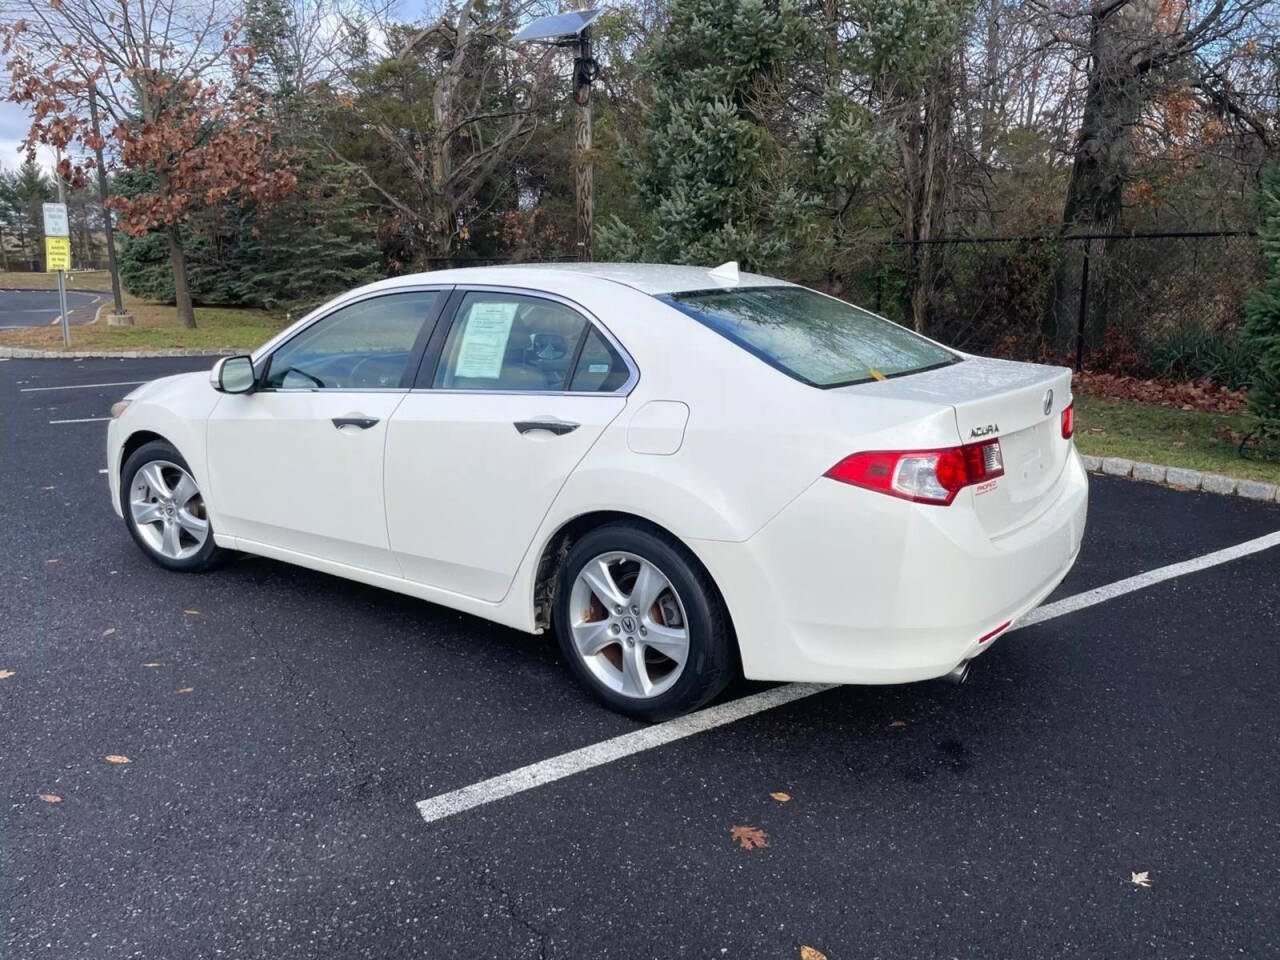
{"x": 181, "y": 289}
{"x": 927, "y": 162}
{"x": 1103, "y": 154}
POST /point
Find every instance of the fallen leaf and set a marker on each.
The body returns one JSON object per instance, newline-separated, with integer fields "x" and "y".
{"x": 153, "y": 664}
{"x": 192, "y": 613}
{"x": 187, "y": 690}
{"x": 117, "y": 758}
{"x": 780, "y": 796}
{"x": 809, "y": 953}
{"x": 6, "y": 674}
{"x": 50, "y": 798}
{"x": 1140, "y": 879}
{"x": 749, "y": 838}
{"x": 109, "y": 631}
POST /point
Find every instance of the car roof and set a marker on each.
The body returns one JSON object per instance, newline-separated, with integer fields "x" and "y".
{"x": 651, "y": 278}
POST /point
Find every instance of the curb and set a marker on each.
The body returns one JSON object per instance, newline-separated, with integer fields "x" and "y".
{"x": 1180, "y": 478}
{"x": 25, "y": 353}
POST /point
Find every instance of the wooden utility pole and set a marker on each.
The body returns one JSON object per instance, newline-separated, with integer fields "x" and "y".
{"x": 585, "y": 71}
{"x": 102, "y": 199}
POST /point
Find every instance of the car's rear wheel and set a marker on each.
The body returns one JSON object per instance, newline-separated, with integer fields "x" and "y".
{"x": 164, "y": 509}
{"x": 641, "y": 624}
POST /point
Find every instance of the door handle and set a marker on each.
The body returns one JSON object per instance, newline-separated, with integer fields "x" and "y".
{"x": 364, "y": 423}
{"x": 558, "y": 427}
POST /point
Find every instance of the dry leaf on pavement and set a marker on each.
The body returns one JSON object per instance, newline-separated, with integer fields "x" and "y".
{"x": 117, "y": 758}
{"x": 50, "y": 798}
{"x": 6, "y": 674}
{"x": 809, "y": 953}
{"x": 780, "y": 796}
{"x": 1140, "y": 879}
{"x": 749, "y": 838}
{"x": 109, "y": 631}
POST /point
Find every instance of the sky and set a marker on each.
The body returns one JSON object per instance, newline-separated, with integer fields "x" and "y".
{"x": 14, "y": 123}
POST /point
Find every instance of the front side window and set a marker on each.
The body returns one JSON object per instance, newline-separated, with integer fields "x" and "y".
{"x": 816, "y": 339}
{"x": 504, "y": 342}
{"x": 366, "y": 345}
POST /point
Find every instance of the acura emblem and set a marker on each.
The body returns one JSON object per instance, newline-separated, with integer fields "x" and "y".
{"x": 1048, "y": 401}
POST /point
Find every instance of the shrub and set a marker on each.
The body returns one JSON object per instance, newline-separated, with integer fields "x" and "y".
{"x": 1192, "y": 352}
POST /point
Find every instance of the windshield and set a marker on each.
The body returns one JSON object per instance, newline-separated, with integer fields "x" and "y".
{"x": 814, "y": 338}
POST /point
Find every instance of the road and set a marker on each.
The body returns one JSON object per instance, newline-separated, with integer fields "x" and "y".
{"x": 282, "y": 725}
{"x": 34, "y": 308}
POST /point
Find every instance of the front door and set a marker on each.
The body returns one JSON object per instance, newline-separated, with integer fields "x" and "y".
{"x": 476, "y": 454}
{"x": 298, "y": 463}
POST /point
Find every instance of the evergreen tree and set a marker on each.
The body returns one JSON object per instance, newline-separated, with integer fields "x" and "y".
{"x": 750, "y": 143}
{"x": 1262, "y": 312}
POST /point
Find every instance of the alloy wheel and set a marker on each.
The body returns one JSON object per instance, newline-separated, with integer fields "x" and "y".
{"x": 628, "y": 625}
{"x": 168, "y": 510}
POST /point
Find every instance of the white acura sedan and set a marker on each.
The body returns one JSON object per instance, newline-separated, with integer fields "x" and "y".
{"x": 684, "y": 472}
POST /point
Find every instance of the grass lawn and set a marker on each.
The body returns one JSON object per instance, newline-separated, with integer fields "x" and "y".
{"x": 1167, "y": 435}
{"x": 155, "y": 325}
{"x": 76, "y": 280}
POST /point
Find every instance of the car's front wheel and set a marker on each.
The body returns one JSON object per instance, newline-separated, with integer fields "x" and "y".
{"x": 164, "y": 509}
{"x": 641, "y": 624}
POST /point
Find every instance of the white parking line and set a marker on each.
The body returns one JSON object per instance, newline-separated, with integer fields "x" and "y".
{"x": 84, "y": 386}
{"x": 606, "y": 751}
{"x": 82, "y": 420}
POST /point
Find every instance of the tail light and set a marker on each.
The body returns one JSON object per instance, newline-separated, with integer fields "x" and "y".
{"x": 925, "y": 476}
{"x": 1068, "y": 421}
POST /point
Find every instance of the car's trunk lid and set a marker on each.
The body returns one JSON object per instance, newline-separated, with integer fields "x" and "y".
{"x": 1018, "y": 403}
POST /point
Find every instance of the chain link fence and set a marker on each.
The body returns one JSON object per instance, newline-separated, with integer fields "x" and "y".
{"x": 1157, "y": 304}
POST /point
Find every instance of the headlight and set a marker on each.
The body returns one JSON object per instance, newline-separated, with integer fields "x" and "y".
{"x": 119, "y": 407}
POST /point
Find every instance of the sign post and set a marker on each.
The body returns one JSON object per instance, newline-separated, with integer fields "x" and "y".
{"x": 57, "y": 255}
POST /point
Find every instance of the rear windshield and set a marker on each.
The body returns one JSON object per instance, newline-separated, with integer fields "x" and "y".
{"x": 817, "y": 339}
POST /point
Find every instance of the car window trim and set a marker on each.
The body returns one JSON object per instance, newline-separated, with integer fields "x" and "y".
{"x": 427, "y": 371}
{"x": 420, "y": 342}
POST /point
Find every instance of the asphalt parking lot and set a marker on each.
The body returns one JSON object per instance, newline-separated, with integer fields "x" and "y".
{"x": 282, "y": 726}
{"x": 34, "y": 308}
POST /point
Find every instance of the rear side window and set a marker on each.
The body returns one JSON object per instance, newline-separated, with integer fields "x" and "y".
{"x": 509, "y": 342}
{"x": 816, "y": 339}
{"x": 600, "y": 368}
{"x": 502, "y": 341}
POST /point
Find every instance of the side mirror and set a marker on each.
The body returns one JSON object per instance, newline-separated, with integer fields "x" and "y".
{"x": 233, "y": 375}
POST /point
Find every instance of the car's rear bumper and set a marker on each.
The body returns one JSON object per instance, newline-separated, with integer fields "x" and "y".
{"x": 884, "y": 590}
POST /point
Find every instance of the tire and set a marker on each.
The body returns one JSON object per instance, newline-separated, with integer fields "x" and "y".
{"x": 639, "y": 678}
{"x": 184, "y": 551}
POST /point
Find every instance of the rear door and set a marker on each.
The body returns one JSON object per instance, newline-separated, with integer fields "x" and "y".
{"x": 511, "y": 396}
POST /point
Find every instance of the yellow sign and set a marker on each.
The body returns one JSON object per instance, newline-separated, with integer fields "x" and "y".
{"x": 57, "y": 254}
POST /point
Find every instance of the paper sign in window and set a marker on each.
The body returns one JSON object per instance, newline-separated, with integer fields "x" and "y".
{"x": 484, "y": 341}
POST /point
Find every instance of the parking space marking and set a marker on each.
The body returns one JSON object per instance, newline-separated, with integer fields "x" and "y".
{"x": 1139, "y": 581}
{"x": 82, "y": 420}
{"x": 616, "y": 748}
{"x": 606, "y": 751}
{"x": 85, "y": 386}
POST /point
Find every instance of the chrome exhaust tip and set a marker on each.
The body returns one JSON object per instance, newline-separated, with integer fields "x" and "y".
{"x": 960, "y": 673}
